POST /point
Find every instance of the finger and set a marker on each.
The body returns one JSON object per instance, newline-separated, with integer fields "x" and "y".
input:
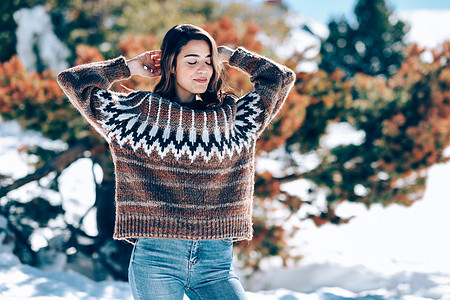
{"x": 156, "y": 60}
{"x": 152, "y": 72}
{"x": 148, "y": 72}
{"x": 149, "y": 69}
{"x": 155, "y": 53}
{"x": 150, "y": 64}
{"x": 156, "y": 71}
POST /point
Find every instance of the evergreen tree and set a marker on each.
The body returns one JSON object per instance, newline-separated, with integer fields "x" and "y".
{"x": 373, "y": 45}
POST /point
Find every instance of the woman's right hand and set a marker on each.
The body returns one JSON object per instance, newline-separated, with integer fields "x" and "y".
{"x": 147, "y": 64}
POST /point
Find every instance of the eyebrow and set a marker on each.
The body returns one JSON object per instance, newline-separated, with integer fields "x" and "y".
{"x": 196, "y": 55}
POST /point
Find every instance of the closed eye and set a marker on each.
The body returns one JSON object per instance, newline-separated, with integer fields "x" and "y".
{"x": 194, "y": 63}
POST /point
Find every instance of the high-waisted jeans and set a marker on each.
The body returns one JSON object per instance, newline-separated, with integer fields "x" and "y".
{"x": 166, "y": 269}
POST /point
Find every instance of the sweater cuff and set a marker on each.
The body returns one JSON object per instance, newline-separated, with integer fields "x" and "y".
{"x": 117, "y": 69}
{"x": 240, "y": 58}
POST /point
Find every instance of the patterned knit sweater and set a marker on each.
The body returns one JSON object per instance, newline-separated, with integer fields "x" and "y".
{"x": 180, "y": 172}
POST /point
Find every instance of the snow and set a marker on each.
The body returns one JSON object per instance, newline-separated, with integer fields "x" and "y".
{"x": 36, "y": 30}
{"x": 18, "y": 281}
{"x": 436, "y": 21}
{"x": 393, "y": 251}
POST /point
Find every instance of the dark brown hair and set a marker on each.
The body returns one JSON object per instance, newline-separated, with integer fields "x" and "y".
{"x": 173, "y": 41}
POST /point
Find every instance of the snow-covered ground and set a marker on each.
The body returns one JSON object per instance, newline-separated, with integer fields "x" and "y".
{"x": 394, "y": 253}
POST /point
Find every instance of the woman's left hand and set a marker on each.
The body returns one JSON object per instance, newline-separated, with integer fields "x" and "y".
{"x": 224, "y": 53}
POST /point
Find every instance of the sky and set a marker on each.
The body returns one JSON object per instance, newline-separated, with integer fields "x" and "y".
{"x": 323, "y": 10}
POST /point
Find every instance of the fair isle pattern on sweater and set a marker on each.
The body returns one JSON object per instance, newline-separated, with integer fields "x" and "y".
{"x": 180, "y": 172}
{"x": 203, "y": 137}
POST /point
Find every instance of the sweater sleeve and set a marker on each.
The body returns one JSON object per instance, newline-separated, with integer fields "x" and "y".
{"x": 82, "y": 83}
{"x": 272, "y": 83}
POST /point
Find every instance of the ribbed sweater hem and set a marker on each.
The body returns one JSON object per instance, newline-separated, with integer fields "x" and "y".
{"x": 132, "y": 226}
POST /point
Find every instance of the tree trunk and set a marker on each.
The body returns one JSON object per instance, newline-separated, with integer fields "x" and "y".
{"x": 105, "y": 208}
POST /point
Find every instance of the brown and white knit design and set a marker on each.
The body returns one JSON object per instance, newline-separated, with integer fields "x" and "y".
{"x": 162, "y": 126}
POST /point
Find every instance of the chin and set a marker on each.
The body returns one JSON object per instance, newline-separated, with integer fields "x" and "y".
{"x": 199, "y": 91}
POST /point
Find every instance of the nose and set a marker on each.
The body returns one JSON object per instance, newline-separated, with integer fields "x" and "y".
{"x": 202, "y": 69}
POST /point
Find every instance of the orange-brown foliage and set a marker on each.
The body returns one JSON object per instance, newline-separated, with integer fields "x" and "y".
{"x": 133, "y": 45}
{"x": 87, "y": 54}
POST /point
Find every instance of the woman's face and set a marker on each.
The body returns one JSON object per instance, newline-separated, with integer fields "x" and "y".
{"x": 193, "y": 70}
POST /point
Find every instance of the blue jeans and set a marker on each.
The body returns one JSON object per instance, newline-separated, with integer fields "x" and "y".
{"x": 166, "y": 269}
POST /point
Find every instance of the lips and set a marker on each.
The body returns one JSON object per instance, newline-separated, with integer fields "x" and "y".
{"x": 201, "y": 80}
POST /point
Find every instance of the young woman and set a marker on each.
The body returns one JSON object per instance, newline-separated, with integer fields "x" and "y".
{"x": 183, "y": 156}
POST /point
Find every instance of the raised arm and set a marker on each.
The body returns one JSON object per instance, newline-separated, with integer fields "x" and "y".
{"x": 272, "y": 81}
{"x": 81, "y": 83}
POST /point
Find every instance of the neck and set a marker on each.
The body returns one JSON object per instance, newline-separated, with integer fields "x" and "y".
{"x": 183, "y": 96}
{"x": 184, "y": 100}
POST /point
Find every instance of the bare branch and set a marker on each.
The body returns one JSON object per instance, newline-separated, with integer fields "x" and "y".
{"x": 58, "y": 164}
